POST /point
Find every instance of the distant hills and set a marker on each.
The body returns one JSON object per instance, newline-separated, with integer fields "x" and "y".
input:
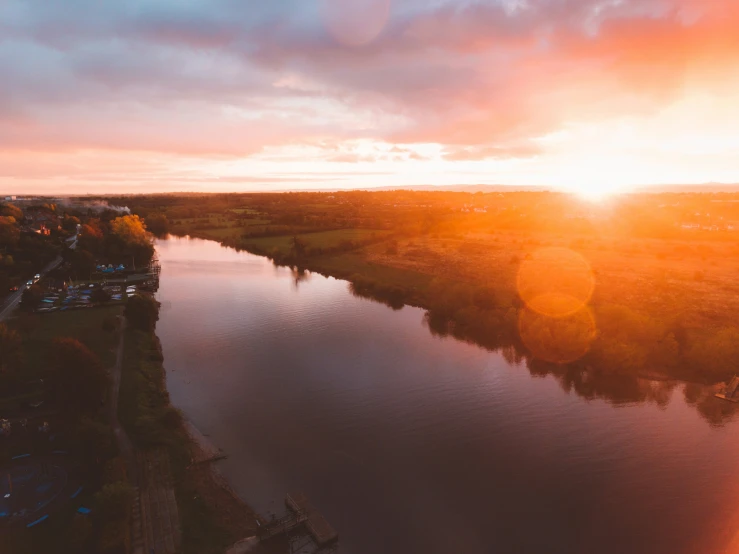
{"x": 649, "y": 189}
{"x": 707, "y": 187}
{"x": 464, "y": 188}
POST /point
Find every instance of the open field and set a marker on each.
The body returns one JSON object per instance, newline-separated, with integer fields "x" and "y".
{"x": 325, "y": 239}
{"x": 84, "y": 325}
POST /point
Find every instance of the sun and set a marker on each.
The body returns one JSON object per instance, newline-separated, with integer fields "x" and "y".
{"x": 596, "y": 195}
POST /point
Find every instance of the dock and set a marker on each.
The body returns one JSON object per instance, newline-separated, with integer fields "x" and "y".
{"x": 730, "y": 390}
{"x": 316, "y": 524}
{"x": 301, "y": 516}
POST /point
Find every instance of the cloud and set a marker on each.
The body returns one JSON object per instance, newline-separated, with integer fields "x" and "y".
{"x": 483, "y": 79}
{"x": 470, "y": 153}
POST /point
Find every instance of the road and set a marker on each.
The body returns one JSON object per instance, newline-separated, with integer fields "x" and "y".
{"x": 11, "y": 303}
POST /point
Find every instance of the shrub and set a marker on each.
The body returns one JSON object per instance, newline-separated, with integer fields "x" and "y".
{"x": 100, "y": 295}
{"x": 110, "y": 324}
{"x": 79, "y": 380}
{"x": 31, "y": 298}
{"x": 142, "y": 312}
{"x": 484, "y": 297}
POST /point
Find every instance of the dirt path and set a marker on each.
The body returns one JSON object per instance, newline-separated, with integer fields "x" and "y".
{"x": 155, "y": 525}
{"x": 124, "y": 443}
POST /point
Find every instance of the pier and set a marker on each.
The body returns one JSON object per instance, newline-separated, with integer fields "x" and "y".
{"x": 302, "y": 515}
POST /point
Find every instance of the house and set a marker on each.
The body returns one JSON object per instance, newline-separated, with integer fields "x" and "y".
{"x": 41, "y": 229}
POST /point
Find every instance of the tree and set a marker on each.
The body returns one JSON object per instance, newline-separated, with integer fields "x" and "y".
{"x": 142, "y": 312}
{"x": 718, "y": 354}
{"x": 31, "y": 298}
{"x": 158, "y": 224}
{"x": 9, "y": 234}
{"x": 83, "y": 263}
{"x": 94, "y": 440}
{"x": 79, "y": 380}
{"x": 10, "y": 349}
{"x": 70, "y": 222}
{"x": 298, "y": 246}
{"x": 90, "y": 237}
{"x": 484, "y": 297}
{"x": 130, "y": 229}
{"x": 9, "y": 210}
{"x": 129, "y": 239}
{"x": 100, "y": 296}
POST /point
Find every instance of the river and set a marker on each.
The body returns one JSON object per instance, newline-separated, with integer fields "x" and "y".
{"x": 413, "y": 443}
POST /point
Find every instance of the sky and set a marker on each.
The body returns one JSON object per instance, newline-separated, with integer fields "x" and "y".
{"x": 593, "y": 96}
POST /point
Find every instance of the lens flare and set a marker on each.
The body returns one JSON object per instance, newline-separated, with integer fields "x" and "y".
{"x": 355, "y": 22}
{"x": 558, "y": 340}
{"x": 555, "y": 282}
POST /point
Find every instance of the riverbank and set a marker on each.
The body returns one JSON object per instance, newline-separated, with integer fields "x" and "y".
{"x": 211, "y": 516}
{"x": 233, "y": 513}
{"x": 660, "y": 297}
{"x": 617, "y": 368}
{"x": 309, "y": 389}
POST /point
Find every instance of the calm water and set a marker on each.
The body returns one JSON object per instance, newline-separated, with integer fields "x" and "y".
{"x": 411, "y": 443}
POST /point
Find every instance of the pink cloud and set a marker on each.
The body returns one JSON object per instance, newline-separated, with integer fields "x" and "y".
{"x": 208, "y": 79}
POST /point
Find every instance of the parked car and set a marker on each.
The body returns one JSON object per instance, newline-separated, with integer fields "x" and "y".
{"x": 14, "y": 289}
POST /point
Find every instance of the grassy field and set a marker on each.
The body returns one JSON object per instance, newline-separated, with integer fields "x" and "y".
{"x": 221, "y": 233}
{"x": 84, "y": 325}
{"x": 322, "y": 239}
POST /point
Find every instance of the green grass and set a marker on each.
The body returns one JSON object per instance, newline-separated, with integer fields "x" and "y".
{"x": 219, "y": 234}
{"x": 268, "y": 244}
{"x": 351, "y": 263}
{"x": 84, "y": 325}
{"x": 330, "y": 239}
{"x": 321, "y": 239}
{"x": 256, "y": 222}
{"x": 241, "y": 211}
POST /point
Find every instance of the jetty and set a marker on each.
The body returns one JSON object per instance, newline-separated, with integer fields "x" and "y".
{"x": 301, "y": 516}
{"x": 730, "y": 390}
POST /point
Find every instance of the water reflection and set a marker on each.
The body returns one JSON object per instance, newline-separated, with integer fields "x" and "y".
{"x": 300, "y": 275}
{"x": 587, "y": 381}
{"x": 580, "y": 378}
{"x": 410, "y": 440}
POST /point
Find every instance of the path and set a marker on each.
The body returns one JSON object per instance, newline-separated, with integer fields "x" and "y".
{"x": 155, "y": 524}
{"x": 11, "y": 303}
{"x": 124, "y": 443}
